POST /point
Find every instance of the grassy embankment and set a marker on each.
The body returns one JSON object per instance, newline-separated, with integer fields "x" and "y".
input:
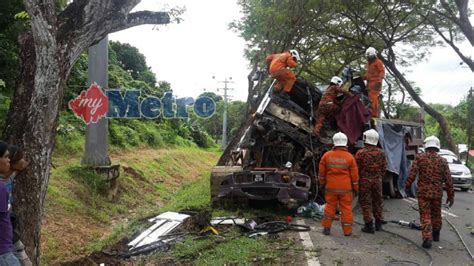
{"x": 160, "y": 172}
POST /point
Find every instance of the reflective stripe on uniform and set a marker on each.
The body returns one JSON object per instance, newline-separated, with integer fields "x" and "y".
{"x": 337, "y": 166}
{"x": 327, "y": 217}
{"x": 338, "y": 190}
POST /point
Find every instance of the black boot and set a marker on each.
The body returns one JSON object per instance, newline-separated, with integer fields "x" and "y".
{"x": 378, "y": 225}
{"x": 369, "y": 228}
{"x": 327, "y": 231}
{"x": 426, "y": 244}
{"x": 436, "y": 235}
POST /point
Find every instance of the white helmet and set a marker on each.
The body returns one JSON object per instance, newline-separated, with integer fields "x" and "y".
{"x": 432, "y": 142}
{"x": 337, "y": 80}
{"x": 295, "y": 54}
{"x": 370, "y": 52}
{"x": 371, "y": 137}
{"x": 339, "y": 139}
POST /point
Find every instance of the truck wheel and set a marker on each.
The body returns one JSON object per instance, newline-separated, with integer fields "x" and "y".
{"x": 388, "y": 188}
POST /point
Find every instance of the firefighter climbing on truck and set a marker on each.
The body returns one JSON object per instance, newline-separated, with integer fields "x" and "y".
{"x": 374, "y": 76}
{"x": 329, "y": 105}
{"x": 278, "y": 67}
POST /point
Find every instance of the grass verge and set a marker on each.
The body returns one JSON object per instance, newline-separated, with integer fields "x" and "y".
{"x": 80, "y": 219}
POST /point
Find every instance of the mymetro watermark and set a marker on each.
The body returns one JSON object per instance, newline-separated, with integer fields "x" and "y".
{"x": 93, "y": 104}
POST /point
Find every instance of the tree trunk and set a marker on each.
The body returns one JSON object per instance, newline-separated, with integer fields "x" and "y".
{"x": 47, "y": 54}
{"x": 435, "y": 114}
{"x": 34, "y": 129}
{"x": 250, "y": 100}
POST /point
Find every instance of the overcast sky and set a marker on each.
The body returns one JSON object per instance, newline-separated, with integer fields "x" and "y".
{"x": 189, "y": 54}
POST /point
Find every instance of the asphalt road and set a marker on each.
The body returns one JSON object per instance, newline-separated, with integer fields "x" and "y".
{"x": 383, "y": 248}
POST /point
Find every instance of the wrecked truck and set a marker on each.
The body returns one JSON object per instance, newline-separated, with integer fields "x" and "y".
{"x": 275, "y": 156}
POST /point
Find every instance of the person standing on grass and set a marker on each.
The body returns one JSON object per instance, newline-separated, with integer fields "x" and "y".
{"x": 7, "y": 258}
{"x": 17, "y": 164}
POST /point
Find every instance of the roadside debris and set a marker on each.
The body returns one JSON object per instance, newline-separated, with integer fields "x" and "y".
{"x": 253, "y": 229}
{"x": 311, "y": 210}
{"x": 412, "y": 224}
{"x": 156, "y": 236}
{"x": 227, "y": 221}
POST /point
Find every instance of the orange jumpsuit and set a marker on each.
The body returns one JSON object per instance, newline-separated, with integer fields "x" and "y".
{"x": 278, "y": 69}
{"x": 374, "y": 77}
{"x": 339, "y": 174}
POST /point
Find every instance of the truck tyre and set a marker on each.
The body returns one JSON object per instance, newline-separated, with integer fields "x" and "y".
{"x": 388, "y": 187}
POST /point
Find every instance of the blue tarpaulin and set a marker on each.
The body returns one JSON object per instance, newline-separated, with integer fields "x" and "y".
{"x": 392, "y": 139}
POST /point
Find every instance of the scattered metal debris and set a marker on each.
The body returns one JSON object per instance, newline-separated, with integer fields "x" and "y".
{"x": 163, "y": 225}
{"x": 227, "y": 221}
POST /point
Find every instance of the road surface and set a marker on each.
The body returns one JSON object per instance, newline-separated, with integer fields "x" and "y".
{"x": 383, "y": 248}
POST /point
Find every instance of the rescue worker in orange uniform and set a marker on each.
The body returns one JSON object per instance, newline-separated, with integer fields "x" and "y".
{"x": 278, "y": 67}
{"x": 328, "y": 105}
{"x": 433, "y": 175}
{"x": 339, "y": 176}
{"x": 372, "y": 167}
{"x": 374, "y": 76}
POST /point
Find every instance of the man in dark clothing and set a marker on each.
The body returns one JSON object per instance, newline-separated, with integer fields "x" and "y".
{"x": 17, "y": 164}
{"x": 372, "y": 167}
{"x": 6, "y": 232}
{"x": 433, "y": 172}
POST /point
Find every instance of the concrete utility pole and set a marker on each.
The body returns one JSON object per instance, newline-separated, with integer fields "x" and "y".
{"x": 97, "y": 135}
{"x": 224, "y": 122}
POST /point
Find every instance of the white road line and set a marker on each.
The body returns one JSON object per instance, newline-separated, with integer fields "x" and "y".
{"x": 308, "y": 245}
{"x": 412, "y": 200}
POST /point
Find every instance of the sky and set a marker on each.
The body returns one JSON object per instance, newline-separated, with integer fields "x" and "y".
{"x": 190, "y": 54}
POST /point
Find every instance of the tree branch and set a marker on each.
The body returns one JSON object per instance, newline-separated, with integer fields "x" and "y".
{"x": 142, "y": 18}
{"x": 456, "y": 49}
{"x": 430, "y": 110}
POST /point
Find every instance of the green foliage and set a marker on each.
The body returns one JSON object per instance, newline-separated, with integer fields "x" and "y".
{"x": 11, "y": 26}
{"x": 236, "y": 111}
{"x": 232, "y": 249}
{"x": 22, "y": 15}
{"x": 132, "y": 61}
{"x": 457, "y": 118}
{"x": 69, "y": 134}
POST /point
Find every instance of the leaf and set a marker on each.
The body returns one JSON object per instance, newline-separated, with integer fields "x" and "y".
{"x": 22, "y": 15}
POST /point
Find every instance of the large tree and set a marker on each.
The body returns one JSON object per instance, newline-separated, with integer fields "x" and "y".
{"x": 332, "y": 34}
{"x": 48, "y": 52}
